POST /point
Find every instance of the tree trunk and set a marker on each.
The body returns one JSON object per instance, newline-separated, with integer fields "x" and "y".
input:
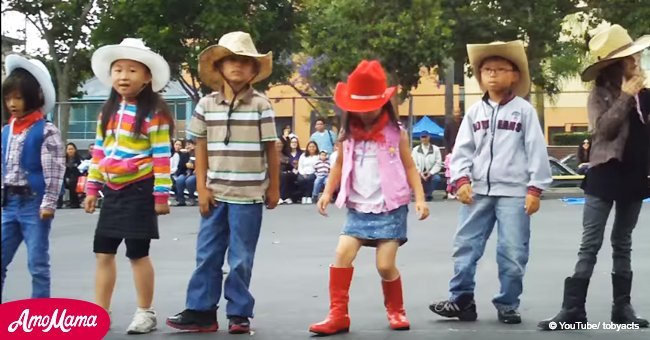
{"x": 538, "y": 100}
{"x": 63, "y": 97}
{"x": 449, "y": 88}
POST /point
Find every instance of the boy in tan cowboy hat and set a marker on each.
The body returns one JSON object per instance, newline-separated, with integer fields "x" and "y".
{"x": 619, "y": 160}
{"x": 500, "y": 167}
{"x": 235, "y": 131}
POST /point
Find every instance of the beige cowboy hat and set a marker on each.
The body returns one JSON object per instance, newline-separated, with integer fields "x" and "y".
{"x": 131, "y": 49}
{"x": 512, "y": 50}
{"x": 39, "y": 71}
{"x": 611, "y": 45}
{"x": 239, "y": 43}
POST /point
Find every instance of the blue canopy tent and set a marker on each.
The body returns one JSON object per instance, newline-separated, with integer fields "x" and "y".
{"x": 427, "y": 125}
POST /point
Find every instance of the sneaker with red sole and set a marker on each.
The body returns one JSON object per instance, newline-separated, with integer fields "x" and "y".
{"x": 238, "y": 325}
{"x": 194, "y": 321}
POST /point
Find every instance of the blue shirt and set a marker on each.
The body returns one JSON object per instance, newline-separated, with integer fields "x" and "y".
{"x": 325, "y": 140}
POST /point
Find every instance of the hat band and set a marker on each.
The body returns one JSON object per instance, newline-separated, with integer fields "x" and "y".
{"x": 620, "y": 49}
{"x": 358, "y": 97}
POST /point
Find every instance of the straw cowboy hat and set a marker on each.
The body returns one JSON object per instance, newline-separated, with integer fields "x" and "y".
{"x": 39, "y": 71}
{"x": 512, "y": 50}
{"x": 131, "y": 49}
{"x": 611, "y": 45}
{"x": 366, "y": 89}
{"x": 237, "y": 43}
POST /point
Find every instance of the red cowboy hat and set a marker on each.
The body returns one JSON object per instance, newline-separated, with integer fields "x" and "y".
{"x": 365, "y": 90}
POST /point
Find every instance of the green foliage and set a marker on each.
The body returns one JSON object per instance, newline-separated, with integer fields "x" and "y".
{"x": 403, "y": 35}
{"x": 179, "y": 30}
{"x": 634, "y": 15}
{"x": 572, "y": 138}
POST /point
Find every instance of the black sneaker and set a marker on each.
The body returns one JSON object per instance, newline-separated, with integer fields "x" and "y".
{"x": 510, "y": 317}
{"x": 194, "y": 321}
{"x": 464, "y": 309}
{"x": 238, "y": 325}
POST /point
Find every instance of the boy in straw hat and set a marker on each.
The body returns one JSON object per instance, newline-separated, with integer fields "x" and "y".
{"x": 33, "y": 165}
{"x": 500, "y": 167}
{"x": 619, "y": 109}
{"x": 235, "y": 131}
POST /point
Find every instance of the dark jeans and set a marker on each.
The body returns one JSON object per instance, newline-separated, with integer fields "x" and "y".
{"x": 594, "y": 219}
{"x": 288, "y": 185}
{"x": 306, "y": 184}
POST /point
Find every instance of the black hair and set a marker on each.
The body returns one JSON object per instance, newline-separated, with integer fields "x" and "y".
{"x": 320, "y": 120}
{"x": 23, "y": 82}
{"x": 190, "y": 141}
{"x": 495, "y": 58}
{"x": 583, "y": 155}
{"x": 148, "y": 103}
{"x": 611, "y": 77}
{"x": 307, "y": 148}
{"x": 76, "y": 155}
{"x": 346, "y": 118}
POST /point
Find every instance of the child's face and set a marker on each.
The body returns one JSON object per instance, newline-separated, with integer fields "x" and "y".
{"x": 129, "y": 77}
{"x": 368, "y": 117}
{"x": 15, "y": 103}
{"x": 498, "y": 75}
{"x": 238, "y": 70}
{"x": 323, "y": 156}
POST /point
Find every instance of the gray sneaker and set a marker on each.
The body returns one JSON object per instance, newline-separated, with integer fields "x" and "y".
{"x": 144, "y": 321}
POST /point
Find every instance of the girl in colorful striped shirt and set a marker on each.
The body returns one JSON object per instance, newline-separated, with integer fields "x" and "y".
{"x": 130, "y": 162}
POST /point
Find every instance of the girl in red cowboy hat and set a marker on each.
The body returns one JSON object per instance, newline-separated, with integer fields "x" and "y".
{"x": 375, "y": 172}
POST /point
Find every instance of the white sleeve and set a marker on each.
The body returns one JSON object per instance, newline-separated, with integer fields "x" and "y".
{"x": 437, "y": 163}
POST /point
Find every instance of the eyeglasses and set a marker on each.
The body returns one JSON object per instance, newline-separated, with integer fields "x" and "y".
{"x": 499, "y": 71}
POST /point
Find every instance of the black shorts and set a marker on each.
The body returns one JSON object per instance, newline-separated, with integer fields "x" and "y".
{"x": 135, "y": 248}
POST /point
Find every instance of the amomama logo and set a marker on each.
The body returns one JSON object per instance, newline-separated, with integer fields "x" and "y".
{"x": 53, "y": 318}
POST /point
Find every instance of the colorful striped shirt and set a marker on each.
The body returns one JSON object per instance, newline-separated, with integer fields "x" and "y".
{"x": 236, "y": 171}
{"x": 119, "y": 158}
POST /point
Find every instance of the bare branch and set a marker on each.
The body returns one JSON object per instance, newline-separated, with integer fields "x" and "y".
{"x": 76, "y": 32}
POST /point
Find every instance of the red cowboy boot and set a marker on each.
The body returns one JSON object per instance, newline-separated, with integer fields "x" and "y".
{"x": 338, "y": 320}
{"x": 395, "y": 304}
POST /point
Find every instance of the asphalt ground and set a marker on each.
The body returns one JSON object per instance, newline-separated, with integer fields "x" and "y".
{"x": 290, "y": 275}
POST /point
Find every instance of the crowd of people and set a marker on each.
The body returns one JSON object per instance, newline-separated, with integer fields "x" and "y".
{"x": 497, "y": 167}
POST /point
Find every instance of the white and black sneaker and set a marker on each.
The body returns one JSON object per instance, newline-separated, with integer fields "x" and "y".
{"x": 464, "y": 308}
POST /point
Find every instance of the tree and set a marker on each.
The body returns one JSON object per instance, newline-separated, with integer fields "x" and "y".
{"x": 633, "y": 15}
{"x": 64, "y": 25}
{"x": 179, "y": 30}
{"x": 403, "y": 35}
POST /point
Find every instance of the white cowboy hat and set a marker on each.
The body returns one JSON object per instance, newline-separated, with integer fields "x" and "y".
{"x": 239, "y": 43}
{"x": 512, "y": 50}
{"x": 131, "y": 49}
{"x": 37, "y": 69}
{"x": 611, "y": 45}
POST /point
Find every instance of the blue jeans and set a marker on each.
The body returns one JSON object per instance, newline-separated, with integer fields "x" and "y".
{"x": 232, "y": 227}
{"x": 185, "y": 182}
{"x": 430, "y": 184}
{"x": 476, "y": 224}
{"x": 319, "y": 184}
{"x": 21, "y": 222}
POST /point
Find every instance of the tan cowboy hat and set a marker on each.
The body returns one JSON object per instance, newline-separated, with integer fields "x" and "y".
{"x": 131, "y": 49}
{"x": 611, "y": 45}
{"x": 512, "y": 50}
{"x": 239, "y": 43}
{"x": 39, "y": 71}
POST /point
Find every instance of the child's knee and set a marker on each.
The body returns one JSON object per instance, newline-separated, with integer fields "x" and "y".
{"x": 387, "y": 271}
{"x": 105, "y": 259}
{"x": 345, "y": 255}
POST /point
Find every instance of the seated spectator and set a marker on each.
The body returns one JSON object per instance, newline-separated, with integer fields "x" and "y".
{"x": 428, "y": 161}
{"x": 71, "y": 176}
{"x": 583, "y": 156}
{"x": 176, "y": 157}
{"x": 286, "y": 137}
{"x": 289, "y": 171}
{"x": 322, "y": 172}
{"x": 306, "y": 172}
{"x": 185, "y": 178}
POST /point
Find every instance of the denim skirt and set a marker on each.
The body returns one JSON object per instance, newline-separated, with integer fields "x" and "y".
{"x": 371, "y": 228}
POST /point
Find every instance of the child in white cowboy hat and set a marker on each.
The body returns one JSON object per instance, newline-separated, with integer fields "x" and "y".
{"x": 499, "y": 167}
{"x": 235, "y": 132}
{"x": 619, "y": 159}
{"x": 130, "y": 162}
{"x": 33, "y": 166}
{"x": 376, "y": 174}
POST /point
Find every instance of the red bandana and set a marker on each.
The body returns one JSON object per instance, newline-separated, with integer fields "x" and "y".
{"x": 23, "y": 123}
{"x": 358, "y": 130}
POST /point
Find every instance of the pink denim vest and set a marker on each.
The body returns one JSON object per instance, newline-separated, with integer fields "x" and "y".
{"x": 394, "y": 185}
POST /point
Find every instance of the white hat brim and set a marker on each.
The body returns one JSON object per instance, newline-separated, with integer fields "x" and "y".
{"x": 104, "y": 57}
{"x": 14, "y": 61}
{"x": 213, "y": 79}
{"x": 591, "y": 72}
{"x": 513, "y": 51}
